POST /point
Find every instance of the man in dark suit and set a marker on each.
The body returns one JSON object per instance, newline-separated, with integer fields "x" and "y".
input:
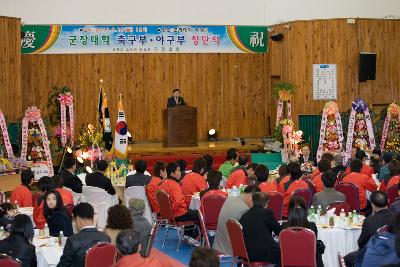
{"x": 97, "y": 179}
{"x": 88, "y": 236}
{"x": 68, "y": 174}
{"x": 175, "y": 99}
{"x": 371, "y": 224}
{"x": 305, "y": 155}
{"x": 139, "y": 178}
{"x": 258, "y": 224}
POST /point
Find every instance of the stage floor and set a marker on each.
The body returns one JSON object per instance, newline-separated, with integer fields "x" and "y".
{"x": 204, "y": 147}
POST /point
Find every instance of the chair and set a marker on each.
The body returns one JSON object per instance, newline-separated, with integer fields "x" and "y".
{"x": 383, "y": 229}
{"x": 294, "y": 255}
{"x": 352, "y": 194}
{"x": 76, "y": 196}
{"x": 211, "y": 207}
{"x": 206, "y": 241}
{"x": 276, "y": 204}
{"x": 341, "y": 260}
{"x": 139, "y": 192}
{"x": 69, "y": 208}
{"x": 304, "y": 193}
{"x": 152, "y": 237}
{"x": 338, "y": 206}
{"x": 101, "y": 255}
{"x": 164, "y": 203}
{"x": 392, "y": 193}
{"x": 7, "y": 261}
{"x": 238, "y": 245}
{"x": 101, "y": 202}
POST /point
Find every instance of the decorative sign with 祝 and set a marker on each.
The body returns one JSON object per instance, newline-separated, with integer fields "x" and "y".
{"x": 4, "y": 138}
{"x": 75, "y": 39}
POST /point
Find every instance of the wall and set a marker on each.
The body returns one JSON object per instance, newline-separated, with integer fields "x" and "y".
{"x": 10, "y": 68}
{"x": 221, "y": 12}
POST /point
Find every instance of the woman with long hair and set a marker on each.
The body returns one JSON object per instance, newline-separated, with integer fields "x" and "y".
{"x": 56, "y": 214}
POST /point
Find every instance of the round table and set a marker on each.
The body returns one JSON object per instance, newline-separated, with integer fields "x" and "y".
{"x": 48, "y": 252}
{"x": 195, "y": 203}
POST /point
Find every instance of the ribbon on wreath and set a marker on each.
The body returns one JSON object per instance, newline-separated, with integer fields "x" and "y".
{"x": 393, "y": 109}
{"x": 6, "y": 138}
{"x": 279, "y": 110}
{"x": 359, "y": 105}
{"x": 66, "y": 100}
{"x": 32, "y": 114}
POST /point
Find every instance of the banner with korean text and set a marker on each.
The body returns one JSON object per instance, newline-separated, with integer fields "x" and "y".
{"x": 76, "y": 39}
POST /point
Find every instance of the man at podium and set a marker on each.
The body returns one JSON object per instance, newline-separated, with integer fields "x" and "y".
{"x": 175, "y": 99}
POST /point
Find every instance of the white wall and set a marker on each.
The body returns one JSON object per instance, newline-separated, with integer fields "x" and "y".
{"x": 212, "y": 12}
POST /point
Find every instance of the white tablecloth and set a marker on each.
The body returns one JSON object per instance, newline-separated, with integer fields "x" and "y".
{"x": 337, "y": 240}
{"x": 27, "y": 211}
{"x": 47, "y": 256}
{"x": 195, "y": 203}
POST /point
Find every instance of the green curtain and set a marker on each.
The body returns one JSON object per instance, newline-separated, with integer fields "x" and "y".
{"x": 14, "y": 132}
{"x": 310, "y": 125}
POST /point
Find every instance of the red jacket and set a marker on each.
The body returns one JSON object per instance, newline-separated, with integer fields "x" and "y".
{"x": 287, "y": 193}
{"x": 284, "y": 181}
{"x": 136, "y": 260}
{"x": 192, "y": 183}
{"x": 174, "y": 190}
{"x": 392, "y": 181}
{"x": 268, "y": 186}
{"x": 236, "y": 178}
{"x": 22, "y": 195}
{"x": 66, "y": 196}
{"x": 317, "y": 180}
{"x": 151, "y": 190}
{"x": 364, "y": 183}
{"x": 315, "y": 173}
{"x": 38, "y": 216}
{"x": 367, "y": 170}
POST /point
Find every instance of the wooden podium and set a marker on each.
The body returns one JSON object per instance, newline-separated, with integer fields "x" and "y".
{"x": 180, "y": 126}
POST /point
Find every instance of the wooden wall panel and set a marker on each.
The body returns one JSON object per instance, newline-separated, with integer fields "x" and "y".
{"x": 10, "y": 68}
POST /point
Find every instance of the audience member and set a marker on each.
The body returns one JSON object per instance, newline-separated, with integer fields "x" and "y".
{"x": 242, "y": 177}
{"x": 7, "y": 214}
{"x": 97, "y": 178}
{"x": 305, "y": 155}
{"x": 194, "y": 182}
{"x": 182, "y": 166}
{"x": 323, "y": 166}
{"x": 395, "y": 206}
{"x": 384, "y": 171}
{"x": 44, "y": 184}
{"x": 160, "y": 174}
{"x": 233, "y": 207}
{"x": 394, "y": 175}
{"x": 128, "y": 246}
{"x": 214, "y": 180}
{"x": 88, "y": 236}
{"x": 68, "y": 174}
{"x": 328, "y": 156}
{"x": 140, "y": 223}
{"x": 19, "y": 243}
{"x": 365, "y": 169}
{"x": 209, "y": 162}
{"x": 258, "y": 224}
{"x": 229, "y": 164}
{"x": 139, "y": 178}
{"x": 265, "y": 183}
{"x": 56, "y": 214}
{"x": 339, "y": 167}
{"x": 242, "y": 163}
{"x": 22, "y": 193}
{"x": 283, "y": 174}
{"x": 375, "y": 160}
{"x": 118, "y": 218}
{"x": 66, "y": 195}
{"x": 328, "y": 195}
{"x": 361, "y": 181}
{"x": 204, "y": 257}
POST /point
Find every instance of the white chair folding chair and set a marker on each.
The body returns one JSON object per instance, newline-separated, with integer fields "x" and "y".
{"x": 139, "y": 192}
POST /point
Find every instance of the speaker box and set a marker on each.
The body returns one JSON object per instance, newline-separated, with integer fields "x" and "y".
{"x": 277, "y": 37}
{"x": 367, "y": 66}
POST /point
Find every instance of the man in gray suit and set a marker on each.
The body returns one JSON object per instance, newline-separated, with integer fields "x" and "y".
{"x": 234, "y": 207}
{"x": 329, "y": 195}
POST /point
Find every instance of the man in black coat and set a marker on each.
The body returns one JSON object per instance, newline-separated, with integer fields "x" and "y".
{"x": 88, "y": 236}
{"x": 258, "y": 224}
{"x": 68, "y": 174}
{"x": 139, "y": 178}
{"x": 97, "y": 179}
{"x": 175, "y": 99}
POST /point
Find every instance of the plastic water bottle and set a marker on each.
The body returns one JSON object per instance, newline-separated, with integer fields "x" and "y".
{"x": 16, "y": 205}
{"x": 355, "y": 217}
{"x": 318, "y": 215}
{"x": 1, "y": 233}
{"x": 234, "y": 191}
{"x": 61, "y": 239}
{"x": 342, "y": 217}
{"x": 46, "y": 230}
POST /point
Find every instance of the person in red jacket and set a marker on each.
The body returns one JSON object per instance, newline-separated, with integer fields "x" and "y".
{"x": 265, "y": 185}
{"x": 394, "y": 175}
{"x": 66, "y": 195}
{"x": 365, "y": 169}
{"x": 362, "y": 181}
{"x": 194, "y": 181}
{"x": 44, "y": 184}
{"x": 214, "y": 180}
{"x": 294, "y": 183}
{"x": 241, "y": 176}
{"x": 22, "y": 193}
{"x": 323, "y": 165}
{"x": 159, "y": 175}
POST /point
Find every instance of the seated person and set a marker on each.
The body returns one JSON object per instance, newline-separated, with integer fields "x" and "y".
{"x": 139, "y": 178}
{"x": 128, "y": 246}
{"x": 339, "y": 167}
{"x": 182, "y": 165}
{"x": 305, "y": 155}
{"x": 209, "y": 162}
{"x": 202, "y": 257}
{"x": 44, "y": 184}
{"x": 395, "y": 206}
{"x": 298, "y": 218}
{"x": 294, "y": 183}
{"x": 7, "y": 214}
{"x": 241, "y": 177}
{"x": 266, "y": 184}
{"x": 362, "y": 181}
{"x": 328, "y": 156}
{"x": 66, "y": 195}
{"x": 365, "y": 169}
{"x": 160, "y": 174}
{"x": 118, "y": 219}
{"x": 229, "y": 164}
{"x": 18, "y": 244}
{"x": 384, "y": 171}
{"x": 22, "y": 193}
{"x": 393, "y": 177}
{"x": 97, "y": 178}
{"x": 56, "y": 214}
{"x": 214, "y": 180}
{"x": 88, "y": 236}
{"x": 258, "y": 224}
{"x": 283, "y": 174}
{"x": 242, "y": 163}
{"x": 140, "y": 223}
{"x": 68, "y": 174}
{"x": 194, "y": 182}
{"x": 323, "y": 165}
{"x": 233, "y": 207}
{"x": 328, "y": 195}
